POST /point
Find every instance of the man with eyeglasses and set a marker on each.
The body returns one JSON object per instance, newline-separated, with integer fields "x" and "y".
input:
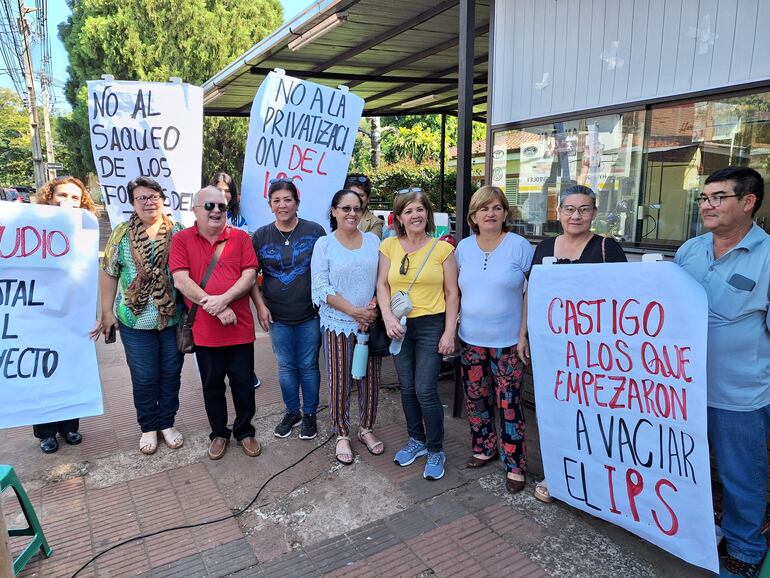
{"x": 362, "y": 186}
{"x": 732, "y": 262}
{"x": 223, "y": 328}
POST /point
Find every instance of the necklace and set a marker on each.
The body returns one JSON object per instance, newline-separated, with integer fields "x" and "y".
{"x": 285, "y": 238}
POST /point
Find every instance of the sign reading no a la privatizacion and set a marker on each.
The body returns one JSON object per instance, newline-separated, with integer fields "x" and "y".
{"x": 619, "y": 361}
{"x": 151, "y": 129}
{"x": 48, "y": 277}
{"x": 302, "y": 131}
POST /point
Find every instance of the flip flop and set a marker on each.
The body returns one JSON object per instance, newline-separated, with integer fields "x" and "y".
{"x": 172, "y": 437}
{"x": 376, "y": 447}
{"x": 345, "y": 458}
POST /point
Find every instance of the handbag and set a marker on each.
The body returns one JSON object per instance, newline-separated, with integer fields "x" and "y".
{"x": 400, "y": 302}
{"x": 184, "y": 334}
{"x": 379, "y": 342}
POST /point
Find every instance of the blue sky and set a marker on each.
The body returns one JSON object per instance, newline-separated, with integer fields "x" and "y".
{"x": 58, "y": 12}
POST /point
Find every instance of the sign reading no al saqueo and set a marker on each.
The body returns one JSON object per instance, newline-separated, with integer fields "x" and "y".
{"x": 302, "y": 131}
{"x": 49, "y": 262}
{"x": 619, "y": 365}
{"x": 151, "y": 129}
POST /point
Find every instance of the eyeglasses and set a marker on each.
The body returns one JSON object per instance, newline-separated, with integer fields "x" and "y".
{"x": 347, "y": 209}
{"x": 357, "y": 179}
{"x": 209, "y": 206}
{"x": 714, "y": 200}
{"x": 144, "y": 198}
{"x": 274, "y": 181}
{"x": 404, "y": 265}
{"x": 582, "y": 210}
{"x": 409, "y": 190}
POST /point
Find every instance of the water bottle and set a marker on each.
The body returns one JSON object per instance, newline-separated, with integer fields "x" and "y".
{"x": 360, "y": 356}
{"x": 395, "y": 344}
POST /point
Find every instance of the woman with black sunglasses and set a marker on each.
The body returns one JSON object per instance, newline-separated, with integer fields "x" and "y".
{"x": 344, "y": 268}
{"x": 416, "y": 263}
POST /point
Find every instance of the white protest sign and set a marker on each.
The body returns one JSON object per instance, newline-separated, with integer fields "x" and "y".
{"x": 619, "y": 361}
{"x": 151, "y": 129}
{"x": 49, "y": 260}
{"x": 302, "y": 131}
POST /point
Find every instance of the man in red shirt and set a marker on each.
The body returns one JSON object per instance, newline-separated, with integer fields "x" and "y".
{"x": 223, "y": 329}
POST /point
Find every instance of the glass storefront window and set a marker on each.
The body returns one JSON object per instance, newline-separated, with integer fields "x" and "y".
{"x": 535, "y": 164}
{"x": 646, "y": 184}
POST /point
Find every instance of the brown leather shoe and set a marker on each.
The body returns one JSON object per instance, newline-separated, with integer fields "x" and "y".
{"x": 475, "y": 462}
{"x": 514, "y": 486}
{"x": 217, "y": 448}
{"x": 250, "y": 447}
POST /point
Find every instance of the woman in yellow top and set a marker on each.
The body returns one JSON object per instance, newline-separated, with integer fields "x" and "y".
{"x": 416, "y": 263}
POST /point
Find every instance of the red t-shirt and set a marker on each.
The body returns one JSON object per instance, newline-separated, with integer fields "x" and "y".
{"x": 191, "y": 251}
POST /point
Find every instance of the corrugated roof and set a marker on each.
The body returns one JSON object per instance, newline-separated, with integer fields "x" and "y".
{"x": 389, "y": 53}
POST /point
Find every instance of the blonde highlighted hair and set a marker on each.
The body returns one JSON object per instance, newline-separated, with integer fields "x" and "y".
{"x": 400, "y": 203}
{"x": 485, "y": 195}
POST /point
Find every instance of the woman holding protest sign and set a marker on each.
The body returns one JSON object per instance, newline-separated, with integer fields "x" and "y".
{"x": 71, "y": 193}
{"x": 418, "y": 296}
{"x": 344, "y": 269}
{"x": 576, "y": 244}
{"x": 492, "y": 265}
{"x": 285, "y": 307}
{"x": 136, "y": 262}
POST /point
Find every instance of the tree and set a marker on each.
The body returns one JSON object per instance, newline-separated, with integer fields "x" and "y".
{"x": 15, "y": 144}
{"x": 141, "y": 40}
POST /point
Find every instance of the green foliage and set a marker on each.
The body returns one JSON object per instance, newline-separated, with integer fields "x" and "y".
{"x": 15, "y": 142}
{"x": 153, "y": 40}
{"x": 417, "y": 142}
{"x": 390, "y": 178}
{"x": 224, "y": 145}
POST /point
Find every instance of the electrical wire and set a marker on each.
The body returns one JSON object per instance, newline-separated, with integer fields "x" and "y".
{"x": 207, "y": 522}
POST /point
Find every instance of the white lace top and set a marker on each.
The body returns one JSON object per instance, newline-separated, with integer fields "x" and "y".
{"x": 349, "y": 273}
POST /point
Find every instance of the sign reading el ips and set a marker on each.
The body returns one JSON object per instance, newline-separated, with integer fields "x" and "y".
{"x": 149, "y": 129}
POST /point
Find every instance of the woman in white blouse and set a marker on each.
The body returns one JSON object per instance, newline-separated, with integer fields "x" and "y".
{"x": 344, "y": 269}
{"x": 493, "y": 263}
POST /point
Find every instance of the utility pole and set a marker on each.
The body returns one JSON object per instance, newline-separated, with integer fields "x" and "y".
{"x": 49, "y": 155}
{"x": 37, "y": 155}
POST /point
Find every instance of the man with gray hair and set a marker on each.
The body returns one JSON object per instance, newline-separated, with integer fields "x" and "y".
{"x": 223, "y": 328}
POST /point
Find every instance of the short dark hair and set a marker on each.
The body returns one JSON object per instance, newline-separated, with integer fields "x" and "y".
{"x": 283, "y": 185}
{"x": 335, "y": 203}
{"x": 746, "y": 180}
{"x": 359, "y": 180}
{"x": 233, "y": 207}
{"x": 143, "y": 182}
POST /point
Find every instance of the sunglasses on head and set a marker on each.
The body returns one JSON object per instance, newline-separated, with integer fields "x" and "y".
{"x": 209, "y": 206}
{"x": 274, "y": 181}
{"x": 409, "y": 190}
{"x": 359, "y": 179}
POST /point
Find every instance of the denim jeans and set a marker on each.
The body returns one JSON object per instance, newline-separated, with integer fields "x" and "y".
{"x": 418, "y": 365}
{"x": 296, "y": 349}
{"x": 739, "y": 442}
{"x": 49, "y": 430}
{"x": 155, "y": 365}
{"x": 236, "y": 362}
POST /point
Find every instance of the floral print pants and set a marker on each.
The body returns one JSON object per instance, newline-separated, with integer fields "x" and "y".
{"x": 492, "y": 377}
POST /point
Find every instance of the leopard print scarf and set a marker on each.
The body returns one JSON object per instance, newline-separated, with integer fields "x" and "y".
{"x": 151, "y": 260}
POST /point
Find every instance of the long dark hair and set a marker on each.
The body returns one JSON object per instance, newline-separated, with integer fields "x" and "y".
{"x": 233, "y": 207}
{"x": 335, "y": 203}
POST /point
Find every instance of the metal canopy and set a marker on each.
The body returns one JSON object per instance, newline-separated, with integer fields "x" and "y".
{"x": 389, "y": 53}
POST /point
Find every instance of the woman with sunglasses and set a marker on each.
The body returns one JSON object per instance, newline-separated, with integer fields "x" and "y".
{"x": 285, "y": 307}
{"x": 416, "y": 263}
{"x": 362, "y": 186}
{"x": 344, "y": 268}
{"x": 135, "y": 269}
{"x": 576, "y": 244}
{"x": 493, "y": 263}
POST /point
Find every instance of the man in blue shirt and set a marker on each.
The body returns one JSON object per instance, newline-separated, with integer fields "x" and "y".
{"x": 732, "y": 262}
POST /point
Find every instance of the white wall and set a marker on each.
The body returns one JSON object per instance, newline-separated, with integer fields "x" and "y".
{"x": 556, "y": 56}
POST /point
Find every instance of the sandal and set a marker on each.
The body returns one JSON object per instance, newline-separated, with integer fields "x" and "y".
{"x": 172, "y": 437}
{"x": 542, "y": 493}
{"x": 375, "y": 446}
{"x": 148, "y": 443}
{"x": 343, "y": 457}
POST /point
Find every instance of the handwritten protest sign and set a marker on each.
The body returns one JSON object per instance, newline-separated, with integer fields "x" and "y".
{"x": 301, "y": 131}
{"x": 48, "y": 278}
{"x": 150, "y": 129}
{"x": 620, "y": 384}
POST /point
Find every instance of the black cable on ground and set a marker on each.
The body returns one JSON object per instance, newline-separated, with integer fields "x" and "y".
{"x": 207, "y": 522}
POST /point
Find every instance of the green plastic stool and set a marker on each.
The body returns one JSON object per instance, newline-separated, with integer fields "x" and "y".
{"x": 8, "y": 478}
